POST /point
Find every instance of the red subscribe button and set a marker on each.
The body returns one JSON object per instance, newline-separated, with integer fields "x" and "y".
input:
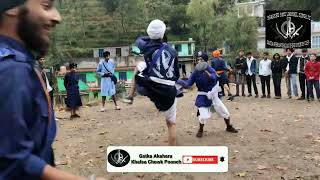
{"x": 200, "y": 159}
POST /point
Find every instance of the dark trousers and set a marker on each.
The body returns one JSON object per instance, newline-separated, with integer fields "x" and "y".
{"x": 265, "y": 80}
{"x": 277, "y": 83}
{"x": 303, "y": 85}
{"x": 252, "y": 79}
{"x": 315, "y": 84}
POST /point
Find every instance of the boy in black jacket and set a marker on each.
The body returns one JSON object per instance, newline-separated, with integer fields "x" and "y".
{"x": 240, "y": 67}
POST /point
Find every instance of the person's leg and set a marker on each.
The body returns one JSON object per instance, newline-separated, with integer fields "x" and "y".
{"x": 306, "y": 85}
{"x": 302, "y": 84}
{"x": 243, "y": 81}
{"x": 229, "y": 128}
{"x": 288, "y": 84}
{"x": 103, "y": 98}
{"x": 249, "y": 85}
{"x": 316, "y": 86}
{"x": 262, "y": 79}
{"x": 238, "y": 81}
{"x": 293, "y": 78}
{"x": 253, "y": 77}
{"x": 268, "y": 85}
{"x": 204, "y": 115}
{"x": 170, "y": 116}
{"x": 274, "y": 79}
{"x": 115, "y": 102}
{"x": 310, "y": 88}
{"x": 279, "y": 84}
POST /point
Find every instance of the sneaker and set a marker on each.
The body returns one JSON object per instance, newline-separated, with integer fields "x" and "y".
{"x": 243, "y": 95}
{"x": 263, "y": 96}
{"x": 301, "y": 98}
{"x": 76, "y": 116}
{"x": 249, "y": 95}
{"x": 231, "y": 98}
{"x": 102, "y": 110}
{"x": 236, "y": 95}
{"x": 231, "y": 129}
{"x": 311, "y": 99}
{"x": 256, "y": 96}
{"x": 289, "y": 97}
{"x": 268, "y": 96}
{"x": 117, "y": 108}
{"x": 128, "y": 100}
{"x": 277, "y": 97}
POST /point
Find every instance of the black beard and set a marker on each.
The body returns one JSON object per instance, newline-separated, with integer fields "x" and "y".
{"x": 29, "y": 32}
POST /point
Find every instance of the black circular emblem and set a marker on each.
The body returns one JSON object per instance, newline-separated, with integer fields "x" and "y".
{"x": 118, "y": 158}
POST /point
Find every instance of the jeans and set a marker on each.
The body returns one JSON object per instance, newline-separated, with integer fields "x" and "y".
{"x": 252, "y": 79}
{"x": 277, "y": 83}
{"x": 303, "y": 85}
{"x": 313, "y": 83}
{"x": 291, "y": 80}
{"x": 240, "y": 79}
{"x": 265, "y": 80}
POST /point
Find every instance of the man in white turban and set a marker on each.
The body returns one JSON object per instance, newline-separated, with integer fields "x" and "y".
{"x": 156, "y": 76}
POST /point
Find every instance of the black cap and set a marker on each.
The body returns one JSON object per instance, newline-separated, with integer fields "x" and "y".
{"x": 9, "y": 4}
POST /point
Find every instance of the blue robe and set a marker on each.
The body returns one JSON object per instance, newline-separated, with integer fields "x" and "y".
{"x": 26, "y": 134}
{"x": 71, "y": 81}
{"x": 108, "y": 88}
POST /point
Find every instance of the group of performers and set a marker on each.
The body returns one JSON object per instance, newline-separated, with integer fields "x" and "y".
{"x": 157, "y": 77}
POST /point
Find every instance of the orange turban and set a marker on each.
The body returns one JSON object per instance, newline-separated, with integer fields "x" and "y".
{"x": 216, "y": 53}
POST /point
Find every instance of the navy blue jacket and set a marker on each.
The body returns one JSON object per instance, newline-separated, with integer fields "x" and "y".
{"x": 204, "y": 83}
{"x": 26, "y": 135}
{"x": 253, "y": 66}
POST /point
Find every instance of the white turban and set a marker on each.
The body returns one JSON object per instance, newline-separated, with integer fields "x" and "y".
{"x": 156, "y": 29}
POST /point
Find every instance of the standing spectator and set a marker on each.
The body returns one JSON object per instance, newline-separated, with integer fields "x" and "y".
{"x": 312, "y": 71}
{"x": 71, "y": 80}
{"x": 251, "y": 74}
{"x": 265, "y": 73}
{"x": 108, "y": 87}
{"x": 240, "y": 68}
{"x": 219, "y": 65}
{"x": 277, "y": 67}
{"x": 49, "y": 83}
{"x": 302, "y": 77}
{"x": 291, "y": 73}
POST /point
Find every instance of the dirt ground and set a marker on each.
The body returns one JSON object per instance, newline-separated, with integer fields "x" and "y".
{"x": 278, "y": 139}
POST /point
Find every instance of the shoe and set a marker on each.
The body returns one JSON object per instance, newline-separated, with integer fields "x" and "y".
{"x": 200, "y": 131}
{"x": 102, "y": 110}
{"x": 289, "y": 97}
{"x": 128, "y": 100}
{"x": 311, "y": 99}
{"x": 72, "y": 117}
{"x": 263, "y": 96}
{"x": 256, "y": 96}
{"x": 277, "y": 97}
{"x": 236, "y": 95}
{"x": 296, "y": 98}
{"x": 76, "y": 116}
{"x": 231, "y": 129}
{"x": 249, "y": 95}
{"x": 117, "y": 108}
{"x": 268, "y": 96}
{"x": 231, "y": 98}
{"x": 243, "y": 95}
{"x": 179, "y": 94}
{"x": 301, "y": 98}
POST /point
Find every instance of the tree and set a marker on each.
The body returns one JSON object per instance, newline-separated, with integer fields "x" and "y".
{"x": 202, "y": 15}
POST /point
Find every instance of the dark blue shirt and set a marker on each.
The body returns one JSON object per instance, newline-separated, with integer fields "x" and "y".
{"x": 204, "y": 83}
{"x": 26, "y": 134}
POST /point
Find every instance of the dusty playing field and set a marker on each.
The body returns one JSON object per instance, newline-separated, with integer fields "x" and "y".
{"x": 278, "y": 139}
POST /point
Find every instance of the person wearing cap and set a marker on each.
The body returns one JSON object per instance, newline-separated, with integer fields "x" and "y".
{"x": 206, "y": 80}
{"x": 219, "y": 65}
{"x": 240, "y": 68}
{"x": 156, "y": 76}
{"x": 71, "y": 81}
{"x": 251, "y": 71}
{"x": 108, "y": 88}
{"x": 28, "y": 125}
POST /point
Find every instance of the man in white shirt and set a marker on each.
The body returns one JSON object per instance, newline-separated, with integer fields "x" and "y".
{"x": 265, "y": 73}
{"x": 291, "y": 73}
{"x": 251, "y": 74}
